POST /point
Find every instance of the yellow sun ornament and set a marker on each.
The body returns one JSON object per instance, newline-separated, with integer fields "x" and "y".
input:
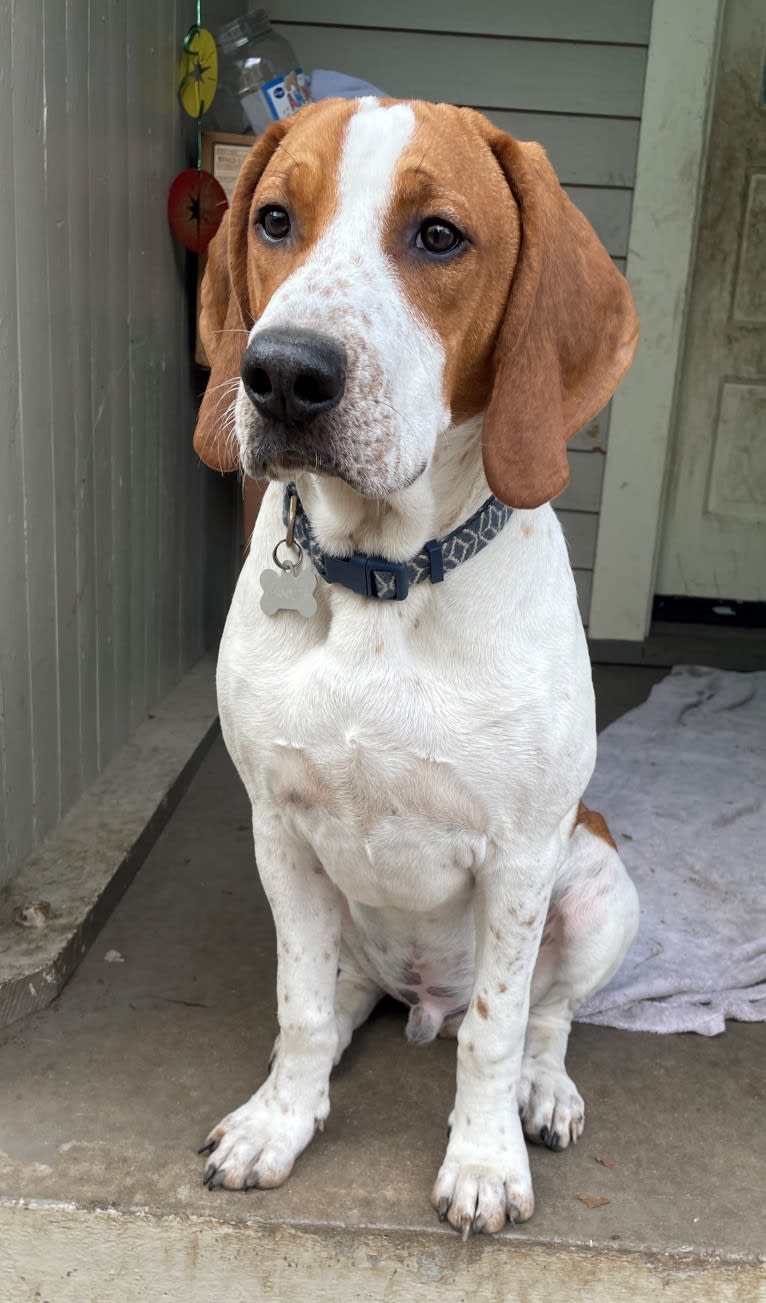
{"x": 198, "y": 71}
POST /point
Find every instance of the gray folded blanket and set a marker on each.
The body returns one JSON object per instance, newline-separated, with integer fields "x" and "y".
{"x": 681, "y": 781}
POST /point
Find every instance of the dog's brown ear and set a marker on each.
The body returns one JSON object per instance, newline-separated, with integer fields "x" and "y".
{"x": 223, "y": 337}
{"x": 568, "y": 337}
{"x": 225, "y": 313}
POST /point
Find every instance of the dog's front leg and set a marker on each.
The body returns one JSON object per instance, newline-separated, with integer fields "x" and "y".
{"x": 258, "y": 1143}
{"x": 485, "y": 1174}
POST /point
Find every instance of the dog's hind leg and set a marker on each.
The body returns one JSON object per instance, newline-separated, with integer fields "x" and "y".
{"x": 355, "y": 998}
{"x": 592, "y": 920}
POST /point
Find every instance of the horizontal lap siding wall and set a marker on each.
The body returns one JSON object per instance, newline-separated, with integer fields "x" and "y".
{"x": 568, "y": 73}
{"x": 102, "y": 503}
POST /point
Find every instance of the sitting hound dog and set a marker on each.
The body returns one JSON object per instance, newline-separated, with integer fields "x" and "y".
{"x": 406, "y": 320}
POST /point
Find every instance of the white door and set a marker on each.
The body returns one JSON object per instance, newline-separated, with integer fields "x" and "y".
{"x": 714, "y": 537}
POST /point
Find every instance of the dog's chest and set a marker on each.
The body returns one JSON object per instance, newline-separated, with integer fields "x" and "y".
{"x": 367, "y": 766}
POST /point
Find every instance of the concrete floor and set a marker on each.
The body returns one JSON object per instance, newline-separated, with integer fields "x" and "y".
{"x": 105, "y": 1096}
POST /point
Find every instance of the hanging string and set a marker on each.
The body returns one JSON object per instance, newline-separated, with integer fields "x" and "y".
{"x": 199, "y": 119}
{"x": 196, "y": 200}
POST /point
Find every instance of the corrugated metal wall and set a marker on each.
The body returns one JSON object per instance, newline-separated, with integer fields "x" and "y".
{"x": 568, "y": 73}
{"x": 103, "y": 506}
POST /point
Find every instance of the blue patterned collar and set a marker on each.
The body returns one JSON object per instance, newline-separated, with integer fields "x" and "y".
{"x": 390, "y": 581}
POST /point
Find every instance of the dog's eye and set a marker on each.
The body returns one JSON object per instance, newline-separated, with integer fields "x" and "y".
{"x": 274, "y": 222}
{"x": 439, "y": 237}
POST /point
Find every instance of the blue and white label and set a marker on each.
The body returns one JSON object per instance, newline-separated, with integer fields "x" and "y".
{"x": 286, "y": 94}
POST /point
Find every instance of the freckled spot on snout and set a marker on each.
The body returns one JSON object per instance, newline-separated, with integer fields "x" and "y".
{"x": 482, "y": 1008}
{"x": 378, "y": 648}
{"x": 527, "y": 530}
{"x": 497, "y": 934}
{"x": 502, "y": 988}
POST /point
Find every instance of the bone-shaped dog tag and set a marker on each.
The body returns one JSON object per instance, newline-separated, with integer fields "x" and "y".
{"x": 289, "y": 590}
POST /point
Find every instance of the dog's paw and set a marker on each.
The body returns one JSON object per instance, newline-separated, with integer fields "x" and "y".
{"x": 257, "y": 1144}
{"x": 551, "y": 1107}
{"x": 476, "y": 1197}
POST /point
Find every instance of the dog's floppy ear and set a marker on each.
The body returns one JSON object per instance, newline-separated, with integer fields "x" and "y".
{"x": 225, "y": 314}
{"x": 568, "y": 337}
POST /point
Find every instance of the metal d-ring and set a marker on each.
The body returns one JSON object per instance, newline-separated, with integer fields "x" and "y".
{"x": 291, "y": 566}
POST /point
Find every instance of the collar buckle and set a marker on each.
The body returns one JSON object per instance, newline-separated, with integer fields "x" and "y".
{"x": 360, "y": 573}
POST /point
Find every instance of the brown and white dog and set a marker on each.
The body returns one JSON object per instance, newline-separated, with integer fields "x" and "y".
{"x": 405, "y": 314}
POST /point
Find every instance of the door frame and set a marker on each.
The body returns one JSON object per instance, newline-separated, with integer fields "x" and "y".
{"x": 681, "y": 66}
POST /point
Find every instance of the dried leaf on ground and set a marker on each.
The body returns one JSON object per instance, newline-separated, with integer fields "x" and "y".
{"x": 593, "y": 1200}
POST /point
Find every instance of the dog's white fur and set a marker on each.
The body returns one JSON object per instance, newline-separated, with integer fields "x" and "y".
{"x": 415, "y": 768}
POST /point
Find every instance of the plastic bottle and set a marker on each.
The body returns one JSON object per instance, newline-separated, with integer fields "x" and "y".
{"x": 260, "y": 69}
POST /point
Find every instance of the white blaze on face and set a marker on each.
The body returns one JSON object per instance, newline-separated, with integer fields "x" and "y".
{"x": 393, "y": 410}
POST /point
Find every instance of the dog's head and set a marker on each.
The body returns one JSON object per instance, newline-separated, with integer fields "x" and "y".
{"x": 388, "y": 270}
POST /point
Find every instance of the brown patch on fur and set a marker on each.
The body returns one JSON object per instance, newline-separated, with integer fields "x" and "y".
{"x": 527, "y": 530}
{"x": 243, "y": 270}
{"x": 502, "y": 988}
{"x": 595, "y": 823}
{"x": 462, "y": 298}
{"x": 482, "y": 1008}
{"x": 537, "y": 325}
{"x": 497, "y": 934}
{"x": 299, "y": 176}
{"x": 378, "y": 648}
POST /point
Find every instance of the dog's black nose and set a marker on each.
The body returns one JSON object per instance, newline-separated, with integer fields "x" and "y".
{"x": 294, "y": 374}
